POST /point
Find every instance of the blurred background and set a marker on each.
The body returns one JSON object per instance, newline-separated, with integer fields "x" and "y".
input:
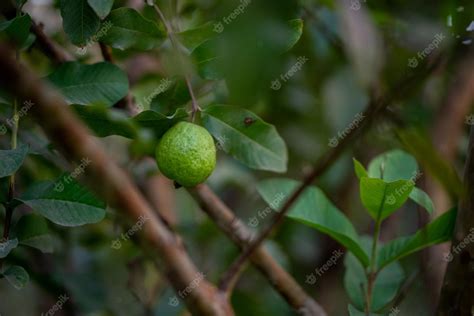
{"x": 349, "y": 52}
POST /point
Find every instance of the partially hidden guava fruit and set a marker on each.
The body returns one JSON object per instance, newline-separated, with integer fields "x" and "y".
{"x": 186, "y": 154}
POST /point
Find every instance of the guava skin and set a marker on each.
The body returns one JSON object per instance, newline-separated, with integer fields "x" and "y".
{"x": 186, "y": 154}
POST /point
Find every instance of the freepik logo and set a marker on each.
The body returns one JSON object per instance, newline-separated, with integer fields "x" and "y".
{"x": 57, "y": 307}
{"x": 311, "y": 278}
{"x": 470, "y": 119}
{"x": 164, "y": 85}
{"x": 117, "y": 243}
{"x": 219, "y": 26}
{"x": 174, "y": 301}
{"x": 356, "y": 5}
{"x": 334, "y": 141}
{"x": 59, "y": 186}
{"x": 413, "y": 62}
{"x": 102, "y": 32}
{"x": 27, "y": 105}
{"x": 456, "y": 250}
{"x": 277, "y": 83}
{"x": 392, "y": 198}
{"x": 253, "y": 221}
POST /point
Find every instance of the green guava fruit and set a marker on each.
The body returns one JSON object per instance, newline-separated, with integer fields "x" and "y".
{"x": 186, "y": 154}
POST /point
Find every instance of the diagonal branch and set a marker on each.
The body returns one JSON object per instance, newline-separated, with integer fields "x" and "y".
{"x": 375, "y": 106}
{"x": 236, "y": 230}
{"x": 111, "y": 183}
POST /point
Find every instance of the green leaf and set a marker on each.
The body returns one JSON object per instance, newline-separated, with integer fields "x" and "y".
{"x": 209, "y": 62}
{"x": 192, "y": 38}
{"x": 355, "y": 312}
{"x": 79, "y": 21}
{"x": 359, "y": 169}
{"x": 438, "y": 231}
{"x": 7, "y": 246}
{"x": 65, "y": 202}
{"x": 422, "y": 198}
{"x": 315, "y": 210}
{"x": 101, "y": 83}
{"x": 246, "y": 137}
{"x": 105, "y": 122}
{"x": 381, "y": 199}
{"x": 158, "y": 122}
{"x": 131, "y": 30}
{"x": 18, "y": 29}
{"x": 176, "y": 94}
{"x": 11, "y": 160}
{"x": 101, "y": 7}
{"x": 32, "y": 230}
{"x": 386, "y": 285}
{"x": 16, "y": 276}
{"x": 396, "y": 165}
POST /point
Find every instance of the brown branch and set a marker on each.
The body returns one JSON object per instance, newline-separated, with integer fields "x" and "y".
{"x": 46, "y": 45}
{"x": 110, "y": 182}
{"x": 261, "y": 258}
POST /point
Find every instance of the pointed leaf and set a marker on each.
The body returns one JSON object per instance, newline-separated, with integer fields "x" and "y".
{"x": 65, "y": 202}
{"x": 129, "y": 29}
{"x": 438, "y": 231}
{"x": 315, "y": 210}
{"x": 101, "y": 83}
{"x": 359, "y": 169}
{"x": 421, "y": 198}
{"x": 246, "y": 137}
{"x": 11, "y": 160}
{"x": 18, "y": 29}
{"x": 381, "y": 199}
{"x": 101, "y": 7}
{"x": 79, "y": 21}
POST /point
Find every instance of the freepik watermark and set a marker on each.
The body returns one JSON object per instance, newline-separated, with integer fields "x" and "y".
{"x": 221, "y": 141}
{"x": 163, "y": 85}
{"x": 470, "y": 119}
{"x": 355, "y": 123}
{"x": 58, "y": 306}
{"x": 18, "y": 115}
{"x": 332, "y": 261}
{"x": 95, "y": 38}
{"x": 277, "y": 83}
{"x": 174, "y": 301}
{"x": 59, "y": 186}
{"x": 117, "y": 243}
{"x": 277, "y": 200}
{"x": 219, "y": 26}
{"x": 394, "y": 311}
{"x": 456, "y": 250}
{"x": 413, "y": 62}
{"x": 392, "y": 198}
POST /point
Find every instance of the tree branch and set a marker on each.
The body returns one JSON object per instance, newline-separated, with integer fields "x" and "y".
{"x": 110, "y": 182}
{"x": 238, "y": 232}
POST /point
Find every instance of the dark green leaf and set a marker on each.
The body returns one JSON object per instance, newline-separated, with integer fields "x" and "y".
{"x": 438, "y": 231}
{"x": 18, "y": 29}
{"x": 194, "y": 37}
{"x": 105, "y": 122}
{"x": 7, "y": 246}
{"x": 101, "y": 83}
{"x": 79, "y": 21}
{"x": 158, "y": 122}
{"x": 315, "y": 210}
{"x": 65, "y": 202}
{"x": 16, "y": 276}
{"x": 32, "y": 230}
{"x": 176, "y": 94}
{"x": 246, "y": 137}
{"x": 101, "y": 7}
{"x": 11, "y": 160}
{"x": 381, "y": 199}
{"x": 129, "y": 29}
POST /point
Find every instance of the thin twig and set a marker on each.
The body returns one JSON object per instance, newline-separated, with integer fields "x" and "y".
{"x": 176, "y": 45}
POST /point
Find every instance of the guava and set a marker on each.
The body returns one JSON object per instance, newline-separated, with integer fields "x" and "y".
{"x": 186, "y": 154}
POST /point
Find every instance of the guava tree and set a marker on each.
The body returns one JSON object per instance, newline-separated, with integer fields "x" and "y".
{"x": 121, "y": 120}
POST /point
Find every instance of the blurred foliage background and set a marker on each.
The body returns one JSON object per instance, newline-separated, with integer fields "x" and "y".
{"x": 352, "y": 50}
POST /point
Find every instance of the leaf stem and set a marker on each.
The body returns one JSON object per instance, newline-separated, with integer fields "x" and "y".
{"x": 176, "y": 45}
